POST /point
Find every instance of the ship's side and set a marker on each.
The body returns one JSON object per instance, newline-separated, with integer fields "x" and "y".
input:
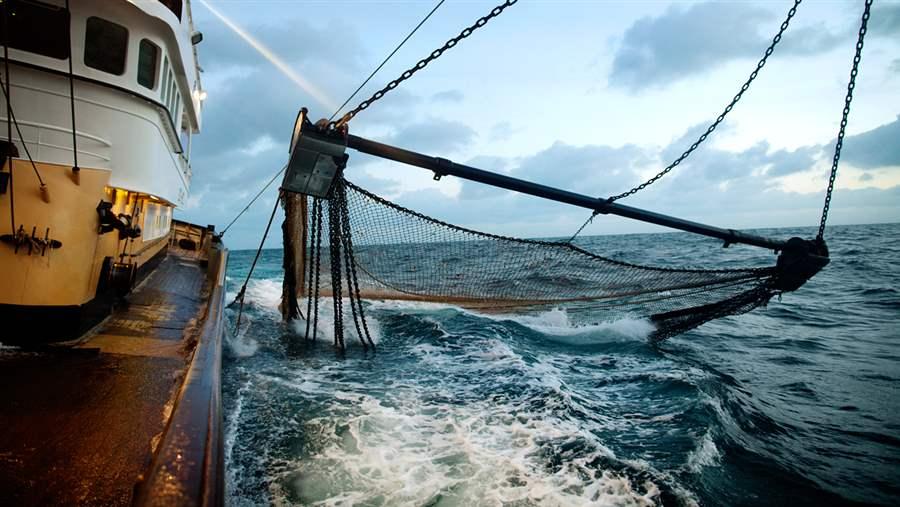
{"x": 83, "y": 217}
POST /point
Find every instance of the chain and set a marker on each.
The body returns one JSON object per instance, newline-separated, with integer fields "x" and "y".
{"x": 313, "y": 231}
{"x": 350, "y": 295}
{"x": 334, "y": 226}
{"x": 318, "y": 252}
{"x": 846, "y": 113}
{"x": 352, "y": 278}
{"x": 421, "y": 64}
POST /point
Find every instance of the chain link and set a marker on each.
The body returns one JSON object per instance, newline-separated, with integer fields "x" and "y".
{"x": 315, "y": 243}
{"x": 421, "y": 64}
{"x": 334, "y": 230}
{"x": 845, "y": 115}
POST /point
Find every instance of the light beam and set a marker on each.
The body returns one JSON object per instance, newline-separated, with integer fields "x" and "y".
{"x": 274, "y": 59}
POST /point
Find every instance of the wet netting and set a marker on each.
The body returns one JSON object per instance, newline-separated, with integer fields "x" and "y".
{"x": 398, "y": 253}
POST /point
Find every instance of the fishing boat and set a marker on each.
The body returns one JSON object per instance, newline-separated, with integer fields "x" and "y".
{"x": 101, "y": 100}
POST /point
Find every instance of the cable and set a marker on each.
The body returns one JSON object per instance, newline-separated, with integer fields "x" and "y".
{"x": 12, "y": 116}
{"x": 252, "y": 201}
{"x": 75, "y": 168}
{"x": 253, "y": 266}
{"x": 9, "y": 157}
{"x": 386, "y": 59}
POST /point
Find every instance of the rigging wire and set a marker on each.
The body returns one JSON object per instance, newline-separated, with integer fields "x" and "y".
{"x": 262, "y": 242}
{"x": 75, "y": 169}
{"x": 12, "y": 116}
{"x": 364, "y": 83}
{"x": 712, "y": 127}
{"x": 9, "y": 157}
{"x": 252, "y": 200}
{"x": 845, "y": 114}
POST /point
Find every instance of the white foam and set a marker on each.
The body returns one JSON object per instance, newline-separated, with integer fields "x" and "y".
{"x": 240, "y": 344}
{"x": 408, "y": 452}
{"x": 325, "y": 327}
{"x": 705, "y": 455}
{"x": 556, "y": 322}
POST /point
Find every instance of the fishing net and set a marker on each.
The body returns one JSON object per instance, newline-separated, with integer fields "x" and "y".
{"x": 390, "y": 252}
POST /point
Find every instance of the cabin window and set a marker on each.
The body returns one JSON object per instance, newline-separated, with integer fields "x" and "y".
{"x": 105, "y": 46}
{"x": 174, "y": 6}
{"x": 38, "y": 28}
{"x": 165, "y": 80}
{"x": 148, "y": 56}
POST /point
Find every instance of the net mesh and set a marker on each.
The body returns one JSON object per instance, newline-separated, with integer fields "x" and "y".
{"x": 401, "y": 254}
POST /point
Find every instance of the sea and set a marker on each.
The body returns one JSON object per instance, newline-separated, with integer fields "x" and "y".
{"x": 796, "y": 403}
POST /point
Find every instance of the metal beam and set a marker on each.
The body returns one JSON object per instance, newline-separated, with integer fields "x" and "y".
{"x": 444, "y": 167}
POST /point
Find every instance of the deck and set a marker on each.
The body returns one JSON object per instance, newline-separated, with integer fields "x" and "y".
{"x": 81, "y": 425}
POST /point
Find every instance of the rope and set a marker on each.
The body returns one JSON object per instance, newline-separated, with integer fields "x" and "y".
{"x": 240, "y": 295}
{"x": 845, "y": 115}
{"x": 386, "y": 59}
{"x": 252, "y": 201}
{"x": 712, "y": 127}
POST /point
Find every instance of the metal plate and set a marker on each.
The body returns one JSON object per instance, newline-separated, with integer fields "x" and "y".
{"x": 314, "y": 159}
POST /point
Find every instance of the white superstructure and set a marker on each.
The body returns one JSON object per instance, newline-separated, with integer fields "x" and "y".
{"x": 103, "y": 202}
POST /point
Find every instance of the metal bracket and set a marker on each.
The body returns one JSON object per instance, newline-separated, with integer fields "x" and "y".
{"x": 316, "y": 158}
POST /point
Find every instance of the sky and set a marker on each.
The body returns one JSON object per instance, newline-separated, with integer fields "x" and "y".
{"x": 589, "y": 96}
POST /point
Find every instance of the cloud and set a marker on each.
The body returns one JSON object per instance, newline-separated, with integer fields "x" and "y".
{"x": 879, "y": 147}
{"x": 686, "y": 41}
{"x": 433, "y": 136}
{"x": 448, "y": 96}
{"x": 885, "y": 20}
{"x": 895, "y": 65}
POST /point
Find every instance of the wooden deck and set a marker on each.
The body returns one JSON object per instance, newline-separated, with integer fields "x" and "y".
{"x": 80, "y": 425}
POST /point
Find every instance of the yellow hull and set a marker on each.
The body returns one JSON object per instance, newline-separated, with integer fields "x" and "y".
{"x": 53, "y": 294}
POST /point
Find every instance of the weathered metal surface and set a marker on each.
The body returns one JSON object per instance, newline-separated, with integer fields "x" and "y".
{"x": 80, "y": 424}
{"x": 188, "y": 467}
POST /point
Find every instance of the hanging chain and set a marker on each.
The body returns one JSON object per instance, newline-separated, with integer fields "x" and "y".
{"x": 334, "y": 230}
{"x": 846, "y": 113}
{"x": 313, "y": 266}
{"x": 318, "y": 253}
{"x": 422, "y": 64}
{"x": 352, "y": 278}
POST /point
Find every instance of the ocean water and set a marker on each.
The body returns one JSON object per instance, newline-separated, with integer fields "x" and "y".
{"x": 797, "y": 403}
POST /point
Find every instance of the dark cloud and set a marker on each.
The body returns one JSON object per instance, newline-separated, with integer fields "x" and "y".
{"x": 885, "y": 20}
{"x": 592, "y": 170}
{"x": 448, "y": 96}
{"x": 879, "y": 147}
{"x": 784, "y": 162}
{"x": 685, "y": 41}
